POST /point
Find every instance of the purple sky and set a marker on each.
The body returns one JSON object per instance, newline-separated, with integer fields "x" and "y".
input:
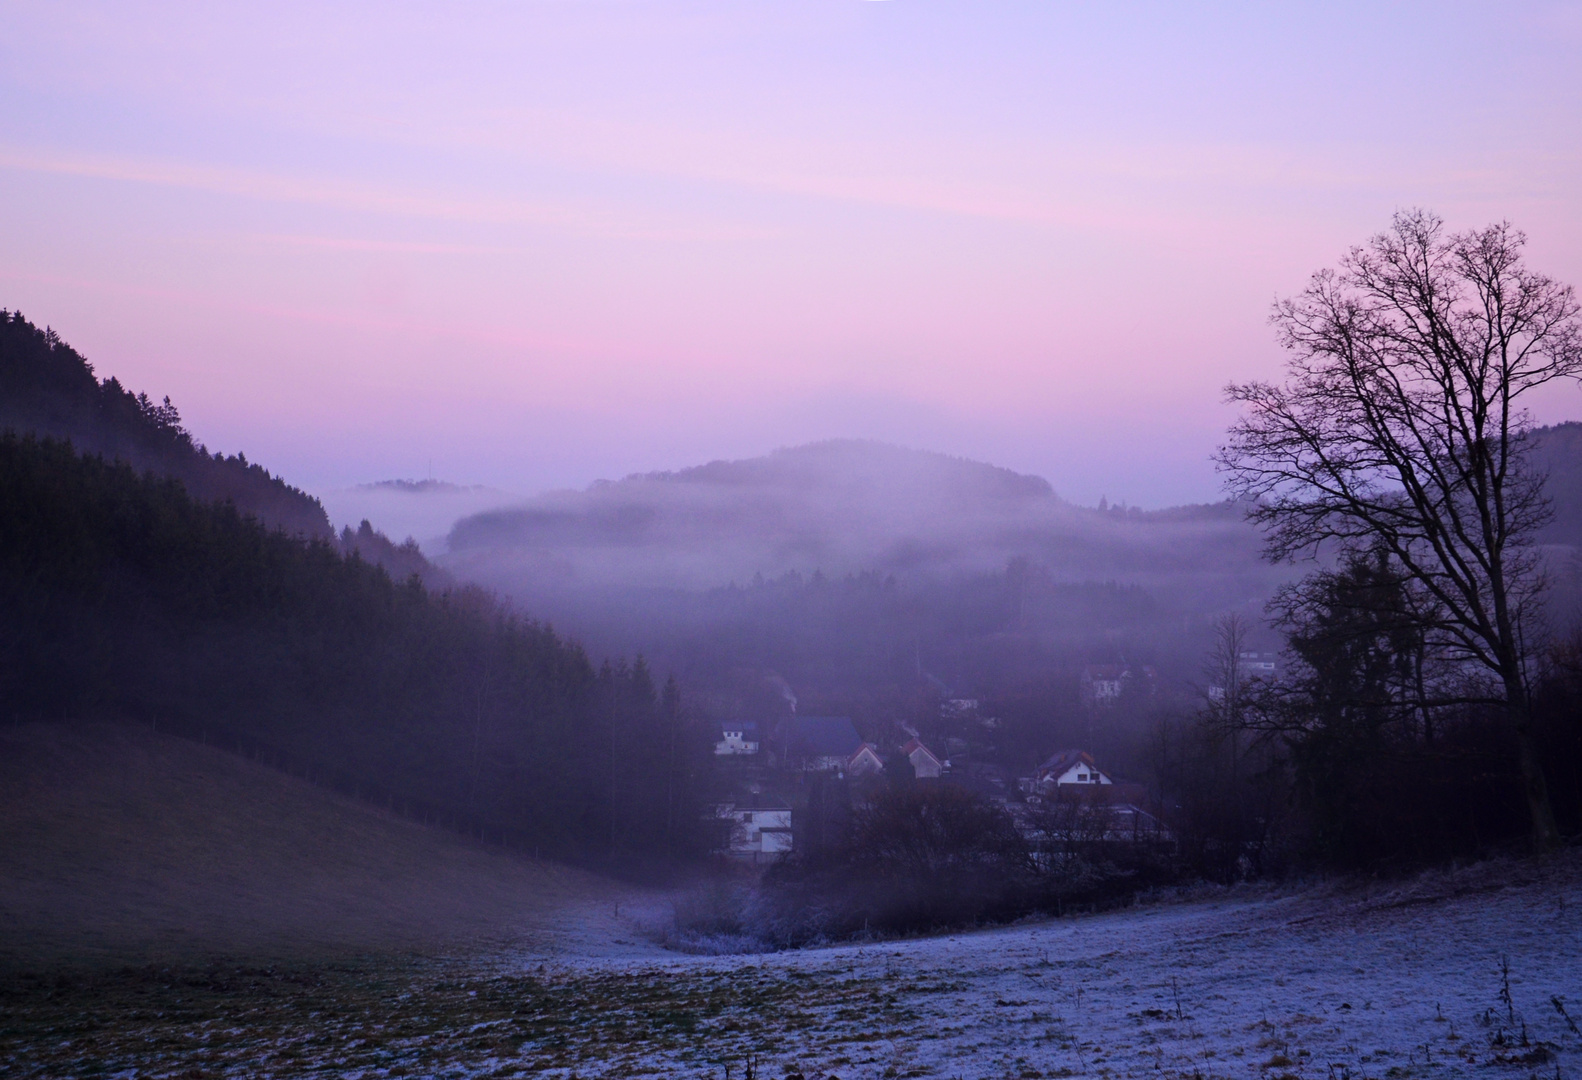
{"x": 541, "y": 243}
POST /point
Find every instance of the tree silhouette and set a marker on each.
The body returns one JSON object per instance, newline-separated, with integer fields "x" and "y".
{"x": 1400, "y": 428}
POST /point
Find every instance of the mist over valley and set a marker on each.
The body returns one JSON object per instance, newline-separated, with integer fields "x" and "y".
{"x": 863, "y": 541}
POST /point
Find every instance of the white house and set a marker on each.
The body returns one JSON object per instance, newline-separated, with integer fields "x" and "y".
{"x": 737, "y": 738}
{"x": 925, "y": 766}
{"x": 1102, "y": 684}
{"x": 865, "y": 762}
{"x": 1072, "y": 803}
{"x": 1069, "y": 767}
{"x": 1258, "y": 665}
{"x": 759, "y": 831}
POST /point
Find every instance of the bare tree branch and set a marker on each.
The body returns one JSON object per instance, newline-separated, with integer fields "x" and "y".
{"x": 1400, "y": 429}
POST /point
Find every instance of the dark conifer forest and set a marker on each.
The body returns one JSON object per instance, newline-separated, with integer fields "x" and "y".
{"x": 48, "y": 388}
{"x": 143, "y": 579}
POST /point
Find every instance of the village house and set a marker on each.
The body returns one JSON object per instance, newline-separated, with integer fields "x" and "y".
{"x": 1103, "y": 684}
{"x": 739, "y": 737}
{"x": 959, "y": 713}
{"x": 757, "y": 829}
{"x": 1071, "y": 802}
{"x": 925, "y": 766}
{"x": 1067, "y": 767}
{"x": 1258, "y": 665}
{"x": 820, "y": 743}
{"x": 865, "y": 762}
{"x": 1250, "y": 667}
{"x": 958, "y": 709}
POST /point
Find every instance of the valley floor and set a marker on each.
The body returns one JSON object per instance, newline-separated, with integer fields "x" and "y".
{"x": 1404, "y": 980}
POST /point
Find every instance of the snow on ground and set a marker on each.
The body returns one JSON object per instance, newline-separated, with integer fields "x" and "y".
{"x": 1405, "y": 982}
{"x": 1394, "y": 981}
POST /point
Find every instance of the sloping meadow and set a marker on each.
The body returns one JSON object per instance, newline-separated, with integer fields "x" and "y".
{"x": 1461, "y": 973}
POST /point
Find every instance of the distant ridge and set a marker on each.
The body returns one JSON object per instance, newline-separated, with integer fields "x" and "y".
{"x": 852, "y": 506}
{"x": 840, "y": 506}
{"x": 858, "y": 458}
{"x": 425, "y": 487}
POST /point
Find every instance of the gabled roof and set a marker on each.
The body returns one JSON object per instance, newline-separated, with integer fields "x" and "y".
{"x": 914, "y": 745}
{"x": 1060, "y": 762}
{"x": 823, "y": 736}
{"x": 868, "y": 750}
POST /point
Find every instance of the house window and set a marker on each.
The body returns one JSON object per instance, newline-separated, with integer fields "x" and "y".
{"x": 747, "y": 818}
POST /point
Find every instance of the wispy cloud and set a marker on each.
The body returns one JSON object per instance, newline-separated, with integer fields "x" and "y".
{"x": 367, "y": 198}
{"x": 396, "y": 247}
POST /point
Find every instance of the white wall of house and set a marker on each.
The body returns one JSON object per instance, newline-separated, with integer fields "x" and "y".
{"x": 735, "y": 741}
{"x": 757, "y": 834}
{"x": 925, "y": 766}
{"x": 1106, "y": 689}
{"x": 1081, "y": 773}
{"x": 865, "y": 762}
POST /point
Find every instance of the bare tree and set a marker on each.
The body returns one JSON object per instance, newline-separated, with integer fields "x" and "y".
{"x": 1225, "y": 696}
{"x": 1400, "y": 428}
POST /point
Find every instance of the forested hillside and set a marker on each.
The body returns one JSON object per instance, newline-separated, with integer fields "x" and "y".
{"x": 123, "y": 596}
{"x": 48, "y": 388}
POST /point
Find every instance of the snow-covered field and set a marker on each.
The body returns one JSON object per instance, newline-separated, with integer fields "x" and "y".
{"x": 1402, "y": 980}
{"x": 1407, "y": 980}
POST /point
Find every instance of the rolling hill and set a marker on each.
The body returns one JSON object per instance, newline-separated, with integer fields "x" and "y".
{"x": 838, "y": 507}
{"x": 122, "y": 845}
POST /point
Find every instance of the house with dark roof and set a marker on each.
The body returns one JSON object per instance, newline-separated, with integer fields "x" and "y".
{"x": 820, "y": 743}
{"x": 1069, "y": 767}
{"x": 1071, "y": 803}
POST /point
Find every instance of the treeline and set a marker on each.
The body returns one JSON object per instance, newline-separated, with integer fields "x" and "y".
{"x": 48, "y": 388}
{"x": 123, "y": 595}
{"x": 869, "y": 644}
{"x": 1373, "y": 750}
{"x": 401, "y": 560}
{"x": 894, "y": 855}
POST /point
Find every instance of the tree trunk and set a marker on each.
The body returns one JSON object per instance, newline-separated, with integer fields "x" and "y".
{"x": 1546, "y": 833}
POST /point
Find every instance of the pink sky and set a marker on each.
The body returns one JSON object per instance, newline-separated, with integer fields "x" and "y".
{"x": 542, "y": 243}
